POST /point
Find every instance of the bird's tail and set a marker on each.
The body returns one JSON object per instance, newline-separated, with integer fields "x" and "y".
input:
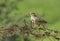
{"x": 44, "y": 21}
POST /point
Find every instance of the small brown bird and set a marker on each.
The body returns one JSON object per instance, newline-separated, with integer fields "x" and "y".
{"x": 36, "y": 19}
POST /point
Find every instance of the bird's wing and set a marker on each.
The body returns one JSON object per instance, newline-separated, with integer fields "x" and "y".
{"x": 39, "y": 20}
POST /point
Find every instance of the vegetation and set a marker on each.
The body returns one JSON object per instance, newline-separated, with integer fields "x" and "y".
{"x": 15, "y": 24}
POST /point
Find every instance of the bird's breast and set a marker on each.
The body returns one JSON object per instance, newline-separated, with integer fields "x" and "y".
{"x": 32, "y": 19}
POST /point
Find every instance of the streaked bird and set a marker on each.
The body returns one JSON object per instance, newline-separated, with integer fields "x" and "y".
{"x": 36, "y": 19}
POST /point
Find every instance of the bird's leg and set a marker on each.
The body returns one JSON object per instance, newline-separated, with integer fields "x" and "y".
{"x": 31, "y": 24}
{"x": 34, "y": 26}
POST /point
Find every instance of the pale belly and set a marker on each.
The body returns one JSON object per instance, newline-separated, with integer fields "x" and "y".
{"x": 33, "y": 19}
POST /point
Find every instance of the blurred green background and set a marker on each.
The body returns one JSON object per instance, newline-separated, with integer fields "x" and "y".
{"x": 13, "y": 10}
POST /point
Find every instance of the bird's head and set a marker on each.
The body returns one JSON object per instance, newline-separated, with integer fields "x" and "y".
{"x": 32, "y": 14}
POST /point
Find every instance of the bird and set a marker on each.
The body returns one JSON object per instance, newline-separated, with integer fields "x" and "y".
{"x": 36, "y": 20}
